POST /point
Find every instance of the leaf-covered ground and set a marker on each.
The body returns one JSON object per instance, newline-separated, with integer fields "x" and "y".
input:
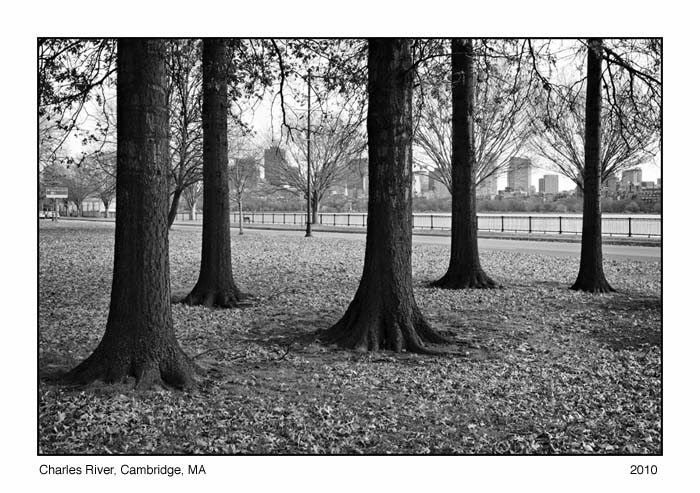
{"x": 545, "y": 370}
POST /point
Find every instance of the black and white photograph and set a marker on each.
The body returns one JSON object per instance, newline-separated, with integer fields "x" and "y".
{"x": 426, "y": 253}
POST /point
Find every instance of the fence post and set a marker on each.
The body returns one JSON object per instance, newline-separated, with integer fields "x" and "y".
{"x": 630, "y": 226}
{"x": 334, "y": 214}
{"x": 431, "y": 221}
{"x": 560, "y": 225}
{"x": 363, "y": 220}
{"x": 529, "y": 224}
{"x": 502, "y": 224}
{"x": 348, "y": 219}
{"x": 284, "y": 218}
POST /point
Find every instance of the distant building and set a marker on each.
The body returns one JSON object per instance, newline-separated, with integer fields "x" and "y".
{"x": 650, "y": 195}
{"x": 274, "y": 160}
{"x": 338, "y": 190}
{"x": 631, "y": 180}
{"x": 249, "y": 168}
{"x": 488, "y": 188}
{"x": 437, "y": 189}
{"x": 611, "y": 186}
{"x": 519, "y": 174}
{"x": 424, "y": 182}
{"x": 549, "y": 184}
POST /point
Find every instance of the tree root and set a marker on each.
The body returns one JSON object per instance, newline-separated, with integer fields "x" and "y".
{"x": 175, "y": 370}
{"x": 471, "y": 280}
{"x": 212, "y": 298}
{"x": 599, "y": 286}
{"x": 368, "y": 329}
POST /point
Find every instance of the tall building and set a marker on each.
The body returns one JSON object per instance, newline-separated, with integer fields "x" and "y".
{"x": 549, "y": 184}
{"x": 611, "y": 186}
{"x": 424, "y": 184}
{"x": 488, "y": 187}
{"x": 438, "y": 189}
{"x": 274, "y": 159}
{"x": 519, "y": 174}
{"x": 248, "y": 169}
{"x": 631, "y": 179}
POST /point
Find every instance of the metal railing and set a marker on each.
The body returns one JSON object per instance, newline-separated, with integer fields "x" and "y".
{"x": 630, "y": 226}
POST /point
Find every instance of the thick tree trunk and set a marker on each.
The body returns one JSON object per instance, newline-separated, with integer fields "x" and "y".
{"x": 464, "y": 270}
{"x": 591, "y": 277}
{"x": 215, "y": 286}
{"x": 174, "y": 205}
{"x": 384, "y": 314}
{"x": 139, "y": 341}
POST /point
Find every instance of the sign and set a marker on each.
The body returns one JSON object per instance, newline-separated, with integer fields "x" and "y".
{"x": 57, "y": 193}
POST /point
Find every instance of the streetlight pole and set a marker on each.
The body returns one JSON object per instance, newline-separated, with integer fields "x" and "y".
{"x": 308, "y": 154}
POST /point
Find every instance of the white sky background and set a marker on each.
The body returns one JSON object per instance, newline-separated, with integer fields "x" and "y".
{"x": 676, "y": 21}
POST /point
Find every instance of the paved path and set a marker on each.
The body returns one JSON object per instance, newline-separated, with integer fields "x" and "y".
{"x": 611, "y": 252}
{"x": 556, "y": 248}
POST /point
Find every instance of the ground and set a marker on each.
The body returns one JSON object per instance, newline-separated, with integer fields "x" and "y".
{"x": 544, "y": 370}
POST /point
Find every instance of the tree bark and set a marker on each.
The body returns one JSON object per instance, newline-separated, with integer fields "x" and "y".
{"x": 384, "y": 313}
{"x": 240, "y": 215}
{"x": 174, "y": 205}
{"x": 464, "y": 270}
{"x": 215, "y": 286}
{"x": 591, "y": 277}
{"x": 139, "y": 340}
{"x": 314, "y": 208}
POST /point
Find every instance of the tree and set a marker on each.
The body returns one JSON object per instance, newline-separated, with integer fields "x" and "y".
{"x": 81, "y": 183}
{"x": 335, "y": 141}
{"x": 464, "y": 270}
{"x": 244, "y": 172}
{"x": 384, "y": 314}
{"x": 500, "y": 98}
{"x": 215, "y": 286}
{"x": 191, "y": 196}
{"x": 333, "y": 71}
{"x": 632, "y": 85}
{"x": 185, "y": 92}
{"x": 559, "y": 135}
{"x": 139, "y": 340}
{"x": 591, "y": 276}
{"x": 105, "y": 172}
